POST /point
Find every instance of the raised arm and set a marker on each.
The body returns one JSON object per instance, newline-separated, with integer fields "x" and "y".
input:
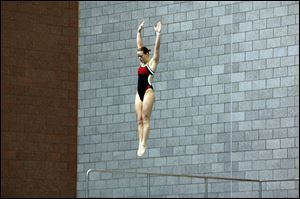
{"x": 139, "y": 39}
{"x": 155, "y": 58}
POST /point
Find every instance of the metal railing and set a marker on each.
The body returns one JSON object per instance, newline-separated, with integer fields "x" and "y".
{"x": 148, "y": 174}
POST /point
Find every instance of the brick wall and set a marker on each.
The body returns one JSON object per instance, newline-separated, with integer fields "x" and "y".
{"x": 227, "y": 97}
{"x": 39, "y": 57}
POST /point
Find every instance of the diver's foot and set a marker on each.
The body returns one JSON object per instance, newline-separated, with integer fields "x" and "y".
{"x": 142, "y": 150}
{"x": 139, "y": 150}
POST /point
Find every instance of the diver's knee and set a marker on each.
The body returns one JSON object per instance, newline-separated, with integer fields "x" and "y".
{"x": 146, "y": 119}
{"x": 140, "y": 121}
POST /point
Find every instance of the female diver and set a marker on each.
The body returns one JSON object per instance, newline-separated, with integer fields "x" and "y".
{"x": 145, "y": 95}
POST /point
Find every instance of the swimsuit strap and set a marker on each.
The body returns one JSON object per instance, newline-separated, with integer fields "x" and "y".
{"x": 149, "y": 69}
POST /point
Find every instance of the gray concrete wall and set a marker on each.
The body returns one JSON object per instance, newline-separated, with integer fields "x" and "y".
{"x": 227, "y": 97}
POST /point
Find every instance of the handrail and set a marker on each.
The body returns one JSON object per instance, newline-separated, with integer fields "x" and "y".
{"x": 181, "y": 175}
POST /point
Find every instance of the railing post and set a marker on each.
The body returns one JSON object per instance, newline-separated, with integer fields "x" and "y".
{"x": 148, "y": 185}
{"x": 87, "y": 183}
{"x": 260, "y": 189}
{"x": 206, "y": 188}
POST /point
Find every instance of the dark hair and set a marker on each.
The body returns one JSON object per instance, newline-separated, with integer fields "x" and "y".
{"x": 144, "y": 49}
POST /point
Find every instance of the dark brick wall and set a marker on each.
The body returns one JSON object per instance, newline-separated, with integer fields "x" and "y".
{"x": 39, "y": 79}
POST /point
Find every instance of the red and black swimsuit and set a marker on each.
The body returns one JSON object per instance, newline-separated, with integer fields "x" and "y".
{"x": 144, "y": 81}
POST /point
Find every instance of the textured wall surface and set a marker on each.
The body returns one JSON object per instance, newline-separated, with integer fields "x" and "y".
{"x": 39, "y": 80}
{"x": 227, "y": 97}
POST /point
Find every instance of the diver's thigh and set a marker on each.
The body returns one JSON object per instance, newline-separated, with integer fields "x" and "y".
{"x": 148, "y": 102}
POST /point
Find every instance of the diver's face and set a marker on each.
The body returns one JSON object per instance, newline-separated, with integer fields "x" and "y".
{"x": 142, "y": 57}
